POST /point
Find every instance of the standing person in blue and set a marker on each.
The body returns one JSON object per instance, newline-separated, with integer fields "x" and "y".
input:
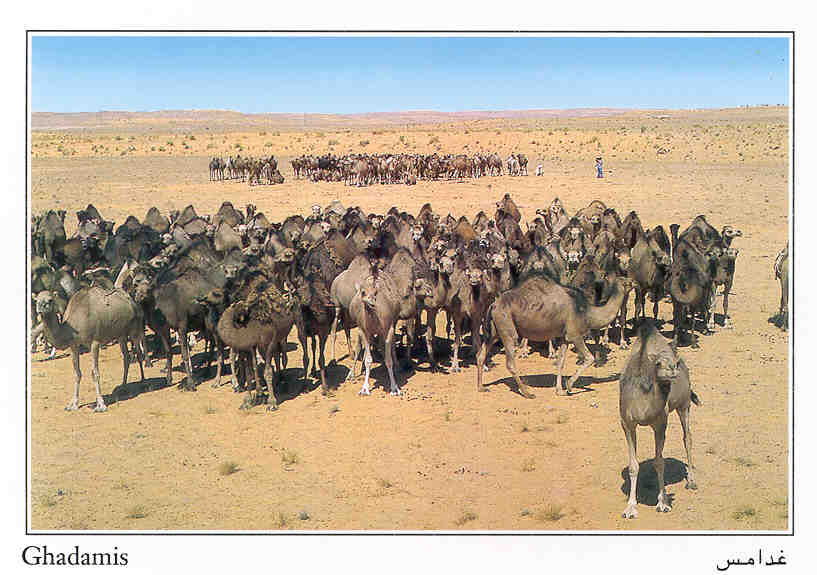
{"x": 599, "y": 169}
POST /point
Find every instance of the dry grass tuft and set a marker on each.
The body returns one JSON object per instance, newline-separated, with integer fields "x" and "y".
{"x": 136, "y": 512}
{"x": 227, "y": 468}
{"x": 529, "y": 464}
{"x": 744, "y": 512}
{"x": 289, "y": 457}
{"x": 465, "y": 518}
{"x": 551, "y": 513}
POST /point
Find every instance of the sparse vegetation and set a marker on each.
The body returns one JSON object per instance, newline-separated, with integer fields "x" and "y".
{"x": 136, "y": 512}
{"x": 289, "y": 457}
{"x": 744, "y": 512}
{"x": 466, "y": 517}
{"x": 227, "y": 468}
{"x": 529, "y": 465}
{"x": 552, "y": 512}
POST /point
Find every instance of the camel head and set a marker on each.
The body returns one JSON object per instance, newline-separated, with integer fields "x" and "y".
{"x": 623, "y": 259}
{"x": 446, "y": 265}
{"x": 474, "y": 275}
{"x": 538, "y": 266}
{"x": 498, "y": 261}
{"x": 730, "y": 232}
{"x": 368, "y": 291}
{"x": 326, "y": 227}
{"x": 666, "y": 366}
{"x": 316, "y": 211}
{"x": 575, "y": 232}
{"x": 45, "y": 302}
{"x": 417, "y": 233}
{"x": 422, "y": 289}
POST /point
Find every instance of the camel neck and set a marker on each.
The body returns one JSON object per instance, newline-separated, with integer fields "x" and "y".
{"x": 58, "y": 334}
{"x": 601, "y": 316}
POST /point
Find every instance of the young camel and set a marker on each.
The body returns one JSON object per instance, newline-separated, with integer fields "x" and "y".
{"x": 94, "y": 316}
{"x": 375, "y": 309}
{"x": 655, "y": 383}
{"x": 540, "y": 309}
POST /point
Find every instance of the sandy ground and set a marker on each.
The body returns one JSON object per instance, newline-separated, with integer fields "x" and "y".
{"x": 442, "y": 457}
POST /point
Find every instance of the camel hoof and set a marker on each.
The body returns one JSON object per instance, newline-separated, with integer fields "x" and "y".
{"x": 100, "y": 408}
{"x": 691, "y": 484}
{"x": 364, "y": 392}
{"x": 482, "y": 389}
{"x": 71, "y": 407}
{"x": 624, "y": 345}
{"x": 662, "y": 507}
{"x": 455, "y": 369}
{"x": 272, "y": 407}
{"x": 630, "y": 513}
{"x": 396, "y": 393}
{"x": 527, "y": 394}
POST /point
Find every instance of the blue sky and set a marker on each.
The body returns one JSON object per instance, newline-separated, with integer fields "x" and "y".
{"x": 385, "y": 74}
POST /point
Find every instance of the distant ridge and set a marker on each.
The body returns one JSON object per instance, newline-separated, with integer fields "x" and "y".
{"x": 178, "y": 120}
{"x": 111, "y": 119}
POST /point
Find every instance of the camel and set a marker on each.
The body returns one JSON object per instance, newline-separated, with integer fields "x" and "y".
{"x": 374, "y": 309}
{"x": 781, "y": 272}
{"x": 655, "y": 383}
{"x": 261, "y": 322}
{"x": 94, "y": 316}
{"x": 540, "y": 309}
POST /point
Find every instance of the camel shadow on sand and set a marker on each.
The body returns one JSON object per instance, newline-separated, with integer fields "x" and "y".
{"x": 646, "y": 492}
{"x": 548, "y": 380}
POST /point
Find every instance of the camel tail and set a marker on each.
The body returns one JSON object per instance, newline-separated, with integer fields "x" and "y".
{"x": 694, "y": 398}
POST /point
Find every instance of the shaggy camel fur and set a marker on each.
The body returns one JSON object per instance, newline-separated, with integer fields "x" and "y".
{"x": 541, "y": 309}
{"x": 655, "y": 383}
{"x": 94, "y": 316}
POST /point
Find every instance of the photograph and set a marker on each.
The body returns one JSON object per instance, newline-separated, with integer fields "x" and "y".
{"x": 427, "y": 283}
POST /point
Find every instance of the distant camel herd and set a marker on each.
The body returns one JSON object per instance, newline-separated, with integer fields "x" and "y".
{"x": 367, "y": 169}
{"x": 243, "y": 282}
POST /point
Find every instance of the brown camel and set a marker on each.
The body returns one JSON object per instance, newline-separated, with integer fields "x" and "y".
{"x": 94, "y": 316}
{"x": 540, "y": 309}
{"x": 655, "y": 383}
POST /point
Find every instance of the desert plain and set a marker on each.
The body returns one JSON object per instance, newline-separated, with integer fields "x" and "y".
{"x": 442, "y": 457}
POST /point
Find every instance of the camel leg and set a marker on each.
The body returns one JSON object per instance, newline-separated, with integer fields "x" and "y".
{"x": 123, "y": 345}
{"x": 510, "y": 362}
{"x": 322, "y": 337}
{"x": 250, "y": 397}
{"x": 482, "y": 356}
{"x": 455, "y": 361}
{"x": 74, "y": 405}
{"x": 584, "y": 354}
{"x": 624, "y": 342}
{"x": 660, "y": 430}
{"x": 390, "y": 358}
{"x": 355, "y": 355}
{"x": 220, "y": 365}
{"x": 431, "y": 319}
{"x": 164, "y": 335}
{"x": 190, "y": 382}
{"x": 367, "y": 363}
{"x": 335, "y": 336}
{"x": 561, "y": 363}
{"x": 710, "y": 311}
{"x": 631, "y": 512}
{"x": 727, "y": 323}
{"x": 234, "y": 369}
{"x": 314, "y": 356}
{"x": 304, "y": 339}
{"x": 100, "y": 403}
{"x": 269, "y": 376}
{"x": 683, "y": 415}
